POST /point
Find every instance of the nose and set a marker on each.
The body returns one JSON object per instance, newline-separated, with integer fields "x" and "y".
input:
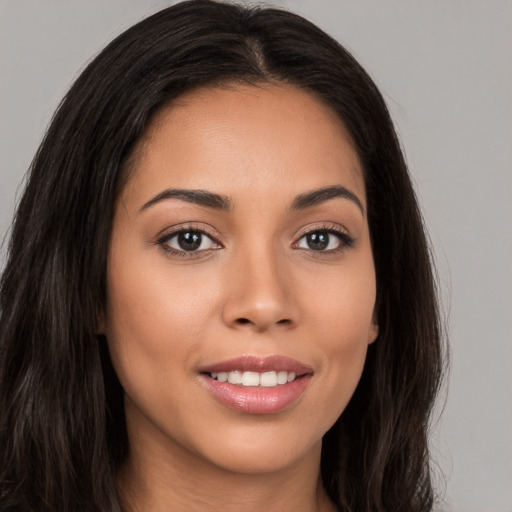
{"x": 260, "y": 293}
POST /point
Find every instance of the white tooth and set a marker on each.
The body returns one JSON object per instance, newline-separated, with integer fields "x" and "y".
{"x": 222, "y": 377}
{"x": 234, "y": 377}
{"x": 282, "y": 377}
{"x": 250, "y": 379}
{"x": 268, "y": 379}
{"x": 214, "y": 375}
{"x": 291, "y": 376}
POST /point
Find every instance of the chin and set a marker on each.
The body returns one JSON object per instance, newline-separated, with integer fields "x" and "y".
{"x": 263, "y": 448}
{"x": 252, "y": 460}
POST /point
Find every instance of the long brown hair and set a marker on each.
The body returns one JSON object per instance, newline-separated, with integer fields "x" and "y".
{"x": 62, "y": 431}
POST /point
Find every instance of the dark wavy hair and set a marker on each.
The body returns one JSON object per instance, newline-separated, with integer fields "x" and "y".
{"x": 62, "y": 430}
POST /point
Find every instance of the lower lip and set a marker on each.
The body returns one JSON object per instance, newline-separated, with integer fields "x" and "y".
{"x": 258, "y": 399}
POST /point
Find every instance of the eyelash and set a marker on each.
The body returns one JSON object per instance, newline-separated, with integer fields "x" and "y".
{"x": 164, "y": 240}
{"x": 346, "y": 241}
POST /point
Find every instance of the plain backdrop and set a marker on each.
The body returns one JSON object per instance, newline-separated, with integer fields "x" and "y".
{"x": 445, "y": 69}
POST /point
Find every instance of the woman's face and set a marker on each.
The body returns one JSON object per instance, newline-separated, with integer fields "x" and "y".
{"x": 240, "y": 250}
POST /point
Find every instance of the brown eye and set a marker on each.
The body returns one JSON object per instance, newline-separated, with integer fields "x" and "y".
{"x": 188, "y": 241}
{"x": 325, "y": 241}
{"x": 318, "y": 241}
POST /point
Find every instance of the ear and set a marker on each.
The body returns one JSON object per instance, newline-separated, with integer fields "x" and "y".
{"x": 373, "y": 333}
{"x": 374, "y": 329}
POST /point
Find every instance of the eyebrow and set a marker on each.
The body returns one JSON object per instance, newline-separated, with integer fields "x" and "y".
{"x": 322, "y": 195}
{"x": 224, "y": 203}
{"x": 200, "y": 197}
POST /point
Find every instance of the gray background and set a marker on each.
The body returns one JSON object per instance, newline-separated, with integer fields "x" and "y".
{"x": 445, "y": 69}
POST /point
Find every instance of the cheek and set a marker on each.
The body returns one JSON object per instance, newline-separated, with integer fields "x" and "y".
{"x": 341, "y": 372}
{"x": 342, "y": 313}
{"x": 341, "y": 304}
{"x": 153, "y": 323}
{"x": 155, "y": 314}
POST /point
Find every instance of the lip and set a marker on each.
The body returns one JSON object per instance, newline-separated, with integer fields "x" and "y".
{"x": 258, "y": 400}
{"x": 272, "y": 363}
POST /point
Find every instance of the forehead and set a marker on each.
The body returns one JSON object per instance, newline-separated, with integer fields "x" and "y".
{"x": 238, "y": 137}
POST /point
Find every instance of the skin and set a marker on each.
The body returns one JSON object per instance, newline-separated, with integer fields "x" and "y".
{"x": 257, "y": 289}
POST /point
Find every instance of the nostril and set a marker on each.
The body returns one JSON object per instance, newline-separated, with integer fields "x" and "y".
{"x": 261, "y": 323}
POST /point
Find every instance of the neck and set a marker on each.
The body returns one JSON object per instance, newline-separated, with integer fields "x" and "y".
{"x": 182, "y": 482}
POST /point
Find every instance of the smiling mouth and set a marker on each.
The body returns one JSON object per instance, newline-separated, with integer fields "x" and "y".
{"x": 255, "y": 379}
{"x": 257, "y": 385}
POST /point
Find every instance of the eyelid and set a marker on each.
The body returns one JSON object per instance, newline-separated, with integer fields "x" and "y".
{"x": 331, "y": 227}
{"x": 167, "y": 234}
{"x": 188, "y": 226}
{"x": 346, "y": 239}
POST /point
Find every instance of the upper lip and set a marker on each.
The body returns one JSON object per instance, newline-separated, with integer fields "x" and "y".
{"x": 259, "y": 364}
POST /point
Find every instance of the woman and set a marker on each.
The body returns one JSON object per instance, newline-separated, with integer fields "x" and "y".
{"x": 219, "y": 292}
